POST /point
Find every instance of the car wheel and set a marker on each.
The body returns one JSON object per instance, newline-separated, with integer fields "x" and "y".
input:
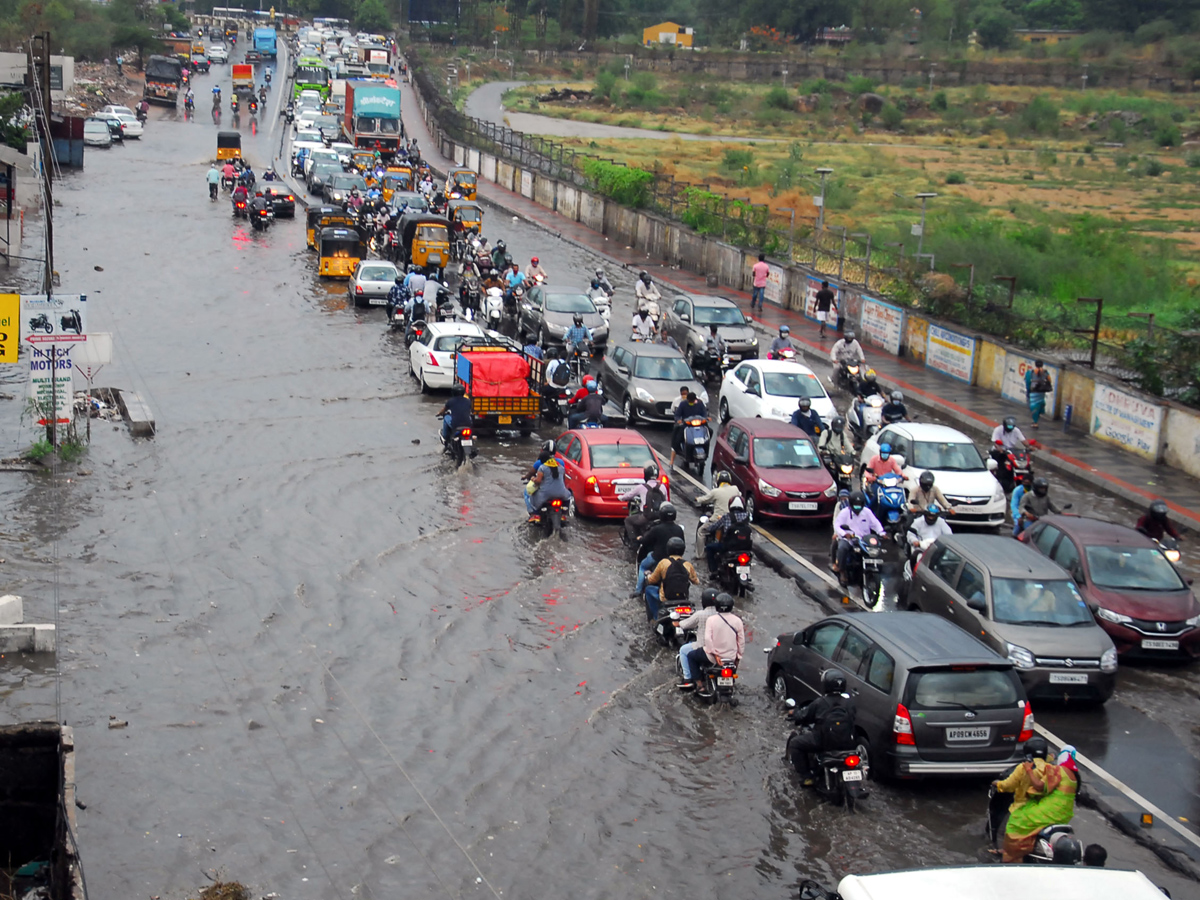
{"x": 630, "y": 412}
{"x": 778, "y": 685}
{"x": 424, "y": 385}
{"x": 724, "y": 411}
{"x": 542, "y": 337}
{"x": 750, "y": 510}
{"x": 862, "y": 746}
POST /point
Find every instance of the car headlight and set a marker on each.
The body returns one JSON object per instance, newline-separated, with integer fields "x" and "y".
{"x": 769, "y": 489}
{"x": 644, "y": 395}
{"x": 831, "y": 491}
{"x": 1108, "y": 660}
{"x": 1193, "y": 621}
{"x": 1109, "y": 616}
{"x": 998, "y": 496}
{"x": 753, "y": 342}
{"x": 1020, "y": 657}
{"x": 703, "y": 396}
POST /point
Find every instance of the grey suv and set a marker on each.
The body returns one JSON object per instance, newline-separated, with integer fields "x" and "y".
{"x": 932, "y": 700}
{"x": 688, "y": 320}
{"x": 645, "y": 379}
{"x": 1021, "y": 605}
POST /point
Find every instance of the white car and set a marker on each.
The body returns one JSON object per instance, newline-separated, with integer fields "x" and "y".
{"x": 218, "y": 53}
{"x": 117, "y": 111}
{"x": 304, "y": 121}
{"x": 309, "y": 96}
{"x": 323, "y": 155}
{"x": 96, "y": 133}
{"x": 344, "y": 151}
{"x": 310, "y": 138}
{"x": 431, "y": 356}
{"x": 771, "y": 389}
{"x": 133, "y": 128}
{"x": 957, "y": 466}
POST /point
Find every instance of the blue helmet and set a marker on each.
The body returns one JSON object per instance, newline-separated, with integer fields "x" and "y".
{"x": 885, "y": 450}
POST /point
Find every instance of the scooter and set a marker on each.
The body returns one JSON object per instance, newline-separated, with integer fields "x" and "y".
{"x": 997, "y": 818}
{"x": 602, "y": 302}
{"x": 72, "y": 321}
{"x": 784, "y": 353}
{"x": 551, "y": 518}
{"x": 890, "y": 504}
{"x": 696, "y": 438}
{"x": 865, "y": 416}
{"x": 494, "y": 306}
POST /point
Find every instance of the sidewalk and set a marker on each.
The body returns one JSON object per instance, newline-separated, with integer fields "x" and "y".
{"x": 973, "y": 409}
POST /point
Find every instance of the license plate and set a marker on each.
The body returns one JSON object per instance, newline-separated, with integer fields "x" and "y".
{"x": 724, "y": 682}
{"x": 467, "y": 445}
{"x": 377, "y": 301}
{"x": 1068, "y": 678}
{"x": 743, "y": 570}
{"x": 506, "y": 420}
{"x": 1148, "y": 644}
{"x": 852, "y": 775}
{"x": 968, "y": 734}
{"x": 802, "y": 504}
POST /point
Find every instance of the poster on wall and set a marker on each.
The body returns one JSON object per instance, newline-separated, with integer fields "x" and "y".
{"x": 1012, "y": 385}
{"x": 950, "y": 353}
{"x": 1126, "y": 420}
{"x": 882, "y": 324}
{"x": 774, "y": 290}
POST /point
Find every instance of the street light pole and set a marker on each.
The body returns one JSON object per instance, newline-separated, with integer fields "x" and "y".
{"x": 924, "y": 197}
{"x": 824, "y": 172}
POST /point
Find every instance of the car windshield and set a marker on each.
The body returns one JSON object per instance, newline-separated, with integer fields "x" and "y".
{"x": 448, "y": 342}
{"x": 946, "y": 456}
{"x": 1019, "y": 601}
{"x": 569, "y": 303}
{"x": 621, "y": 456}
{"x": 95, "y": 127}
{"x": 961, "y": 687}
{"x": 325, "y": 171}
{"x": 792, "y": 384}
{"x": 378, "y": 273}
{"x": 430, "y": 233}
{"x": 1135, "y": 568}
{"x": 346, "y": 180}
{"x": 313, "y": 137}
{"x": 719, "y": 315}
{"x": 662, "y": 368}
{"x": 785, "y": 453}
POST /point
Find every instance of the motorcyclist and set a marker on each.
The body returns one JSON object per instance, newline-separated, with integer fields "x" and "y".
{"x": 397, "y": 295}
{"x": 534, "y": 272}
{"x": 532, "y": 349}
{"x": 826, "y": 724}
{"x": 241, "y": 194}
{"x": 653, "y": 494}
{"x": 723, "y": 492}
{"x": 807, "y": 419}
{"x": 498, "y": 253}
{"x": 189, "y": 100}
{"x": 549, "y": 484}
{"x": 1008, "y": 435}
{"x": 603, "y": 282}
{"x": 584, "y": 387}
{"x": 847, "y": 351}
{"x": 247, "y": 177}
{"x": 782, "y": 342}
{"x": 647, "y": 294}
{"x": 270, "y": 175}
{"x": 868, "y": 385}
{"x": 262, "y": 94}
{"x": 214, "y": 181}
{"x": 714, "y": 348}
{"x": 666, "y": 339}
{"x": 734, "y": 531}
{"x": 927, "y": 528}
{"x": 692, "y": 407}
{"x": 228, "y": 172}
{"x": 854, "y": 521}
{"x": 834, "y": 439}
{"x": 724, "y": 639}
{"x": 558, "y": 372}
{"x": 589, "y": 409}
{"x": 882, "y": 463}
{"x": 513, "y": 279}
{"x": 355, "y": 201}
{"x": 1018, "y": 782}
{"x": 925, "y": 493}
{"x": 653, "y": 545}
{"x": 1155, "y": 524}
{"x": 493, "y": 280}
{"x": 674, "y": 574}
{"x": 1037, "y": 503}
{"x": 695, "y": 622}
{"x": 144, "y": 107}
{"x": 577, "y": 337}
{"x": 455, "y": 414}
{"x": 643, "y": 325}
{"x": 258, "y": 203}
{"x": 216, "y": 95}
{"x": 894, "y": 410}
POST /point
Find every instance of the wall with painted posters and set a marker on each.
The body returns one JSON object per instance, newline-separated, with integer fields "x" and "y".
{"x": 882, "y": 324}
{"x": 950, "y": 353}
{"x": 1126, "y": 420}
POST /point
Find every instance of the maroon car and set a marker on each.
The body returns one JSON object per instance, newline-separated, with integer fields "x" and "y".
{"x": 777, "y": 469}
{"x": 1136, "y": 594}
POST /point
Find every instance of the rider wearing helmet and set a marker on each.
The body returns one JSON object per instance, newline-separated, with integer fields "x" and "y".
{"x": 925, "y": 492}
{"x": 807, "y": 419}
{"x": 823, "y": 725}
{"x": 1037, "y": 503}
{"x": 855, "y": 521}
{"x": 1018, "y": 781}
{"x": 647, "y": 292}
{"x": 533, "y": 271}
{"x": 847, "y": 351}
{"x": 671, "y": 579}
{"x": 652, "y": 493}
{"x": 1008, "y": 435}
{"x": 834, "y": 439}
{"x": 601, "y": 281}
{"x": 894, "y": 410}
{"x": 734, "y": 529}
{"x": 548, "y": 484}
{"x": 695, "y": 623}
{"x": 499, "y": 252}
{"x": 783, "y": 342}
{"x": 724, "y": 641}
{"x": 577, "y": 338}
{"x": 652, "y": 548}
{"x": 1155, "y": 524}
{"x": 723, "y": 491}
{"x": 927, "y": 528}
{"x": 882, "y": 463}
{"x": 456, "y": 413}
{"x": 589, "y": 409}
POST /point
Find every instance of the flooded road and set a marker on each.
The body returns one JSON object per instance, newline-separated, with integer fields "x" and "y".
{"x": 348, "y": 670}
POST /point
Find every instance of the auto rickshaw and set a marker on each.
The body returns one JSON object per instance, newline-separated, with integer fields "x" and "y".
{"x": 229, "y": 145}
{"x": 464, "y": 215}
{"x": 425, "y": 240}
{"x": 363, "y": 160}
{"x": 313, "y": 222}
{"x": 460, "y": 182}
{"x": 395, "y": 181}
{"x": 341, "y": 249}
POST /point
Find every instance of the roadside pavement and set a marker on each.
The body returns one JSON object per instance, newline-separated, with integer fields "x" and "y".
{"x": 1069, "y": 452}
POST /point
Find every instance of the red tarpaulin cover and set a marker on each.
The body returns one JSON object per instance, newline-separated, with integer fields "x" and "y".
{"x": 499, "y": 375}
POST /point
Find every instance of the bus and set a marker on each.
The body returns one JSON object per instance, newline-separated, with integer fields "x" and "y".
{"x": 312, "y": 75}
{"x": 335, "y": 24}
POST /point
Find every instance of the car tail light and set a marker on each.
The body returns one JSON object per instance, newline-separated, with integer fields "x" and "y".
{"x": 466, "y": 433}
{"x": 852, "y": 762}
{"x": 1027, "y": 724}
{"x": 358, "y": 289}
{"x": 743, "y": 559}
{"x": 728, "y": 673}
{"x": 902, "y": 726}
{"x": 433, "y": 359}
{"x": 593, "y": 483}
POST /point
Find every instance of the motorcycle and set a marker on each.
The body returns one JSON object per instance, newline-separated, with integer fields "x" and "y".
{"x": 289, "y": 113}
{"x": 396, "y": 318}
{"x": 865, "y": 416}
{"x": 733, "y": 572}
{"x": 141, "y": 115}
{"x": 470, "y": 294}
{"x": 602, "y": 302}
{"x": 253, "y": 107}
{"x": 784, "y": 353}
{"x": 890, "y": 504}
{"x": 444, "y": 306}
{"x": 848, "y": 375}
{"x": 696, "y": 438}
{"x": 189, "y": 106}
{"x": 461, "y": 445}
{"x": 227, "y": 184}
{"x": 554, "y": 402}
{"x": 865, "y": 567}
{"x": 240, "y": 209}
{"x": 715, "y": 683}
{"x": 261, "y": 218}
{"x": 550, "y": 518}
{"x": 666, "y": 628}
{"x": 1169, "y": 547}
{"x": 838, "y": 775}
{"x": 1013, "y": 466}
{"x": 41, "y": 322}
{"x": 997, "y": 818}
{"x": 912, "y": 557}
{"x": 416, "y": 329}
{"x": 841, "y": 467}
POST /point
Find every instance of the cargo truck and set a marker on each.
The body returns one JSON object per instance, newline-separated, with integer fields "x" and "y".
{"x": 164, "y": 74}
{"x": 243, "y": 79}
{"x": 372, "y": 116}
{"x": 264, "y": 42}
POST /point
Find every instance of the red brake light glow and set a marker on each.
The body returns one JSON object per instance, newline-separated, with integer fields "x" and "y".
{"x": 743, "y": 559}
{"x": 852, "y": 762}
{"x": 466, "y": 432}
{"x": 556, "y": 503}
{"x": 728, "y": 673}
{"x": 358, "y": 289}
{"x": 902, "y": 726}
{"x": 1027, "y": 724}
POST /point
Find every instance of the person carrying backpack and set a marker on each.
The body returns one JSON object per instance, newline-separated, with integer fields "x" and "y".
{"x": 652, "y": 494}
{"x": 671, "y": 579}
{"x": 826, "y": 723}
{"x": 734, "y": 529}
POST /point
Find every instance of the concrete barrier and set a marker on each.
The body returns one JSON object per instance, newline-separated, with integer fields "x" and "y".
{"x": 18, "y": 636}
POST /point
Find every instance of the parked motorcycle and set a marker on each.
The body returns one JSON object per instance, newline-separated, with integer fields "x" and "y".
{"x": 696, "y": 438}
{"x": 551, "y": 518}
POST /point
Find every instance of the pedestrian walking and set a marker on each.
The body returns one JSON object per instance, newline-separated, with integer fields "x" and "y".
{"x": 1037, "y": 386}
{"x": 761, "y": 270}
{"x": 120, "y": 64}
{"x": 825, "y": 306}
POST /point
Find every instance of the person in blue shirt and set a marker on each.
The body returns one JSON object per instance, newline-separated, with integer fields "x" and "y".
{"x": 455, "y": 414}
{"x": 577, "y": 336}
{"x": 397, "y": 296}
{"x": 806, "y": 418}
{"x": 514, "y": 277}
{"x": 532, "y": 349}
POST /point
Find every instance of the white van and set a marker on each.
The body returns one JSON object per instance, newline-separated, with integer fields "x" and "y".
{"x": 1000, "y": 882}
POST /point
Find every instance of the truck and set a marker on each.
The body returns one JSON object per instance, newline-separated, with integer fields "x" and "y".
{"x": 264, "y": 42}
{"x": 372, "y": 116}
{"x": 379, "y": 63}
{"x": 164, "y": 75}
{"x": 243, "y": 79}
{"x": 503, "y": 384}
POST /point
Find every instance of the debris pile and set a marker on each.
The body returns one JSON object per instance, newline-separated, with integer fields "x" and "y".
{"x": 97, "y": 85}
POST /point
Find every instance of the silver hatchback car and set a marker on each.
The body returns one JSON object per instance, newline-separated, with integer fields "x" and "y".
{"x": 645, "y": 379}
{"x": 371, "y": 282}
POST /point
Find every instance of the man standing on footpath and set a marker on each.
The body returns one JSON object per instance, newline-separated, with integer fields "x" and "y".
{"x": 825, "y": 300}
{"x": 761, "y": 270}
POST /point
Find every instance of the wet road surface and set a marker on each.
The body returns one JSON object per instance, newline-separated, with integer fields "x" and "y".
{"x": 348, "y": 670}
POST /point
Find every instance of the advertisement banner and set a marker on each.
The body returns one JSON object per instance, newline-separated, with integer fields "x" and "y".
{"x": 810, "y": 300}
{"x": 1012, "y": 387}
{"x": 1126, "y": 420}
{"x": 774, "y": 289}
{"x": 951, "y": 353}
{"x": 10, "y": 327}
{"x": 50, "y": 379}
{"x": 53, "y": 317}
{"x": 882, "y": 325}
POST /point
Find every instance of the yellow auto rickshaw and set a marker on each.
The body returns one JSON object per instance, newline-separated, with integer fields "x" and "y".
{"x": 464, "y": 216}
{"x": 229, "y": 145}
{"x": 363, "y": 160}
{"x": 425, "y": 240}
{"x": 198, "y": 48}
{"x": 395, "y": 181}
{"x": 341, "y": 249}
{"x": 313, "y": 222}
{"x": 460, "y": 184}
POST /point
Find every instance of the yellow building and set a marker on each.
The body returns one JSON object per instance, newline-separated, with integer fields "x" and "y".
{"x": 667, "y": 33}
{"x": 1048, "y": 36}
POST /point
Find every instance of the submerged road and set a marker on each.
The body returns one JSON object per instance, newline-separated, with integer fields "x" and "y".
{"x": 348, "y": 670}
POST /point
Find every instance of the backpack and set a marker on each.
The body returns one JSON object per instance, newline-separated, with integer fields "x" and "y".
{"x": 561, "y": 375}
{"x": 418, "y": 309}
{"x": 739, "y": 529}
{"x": 655, "y": 497}
{"x": 836, "y": 726}
{"x": 676, "y": 583}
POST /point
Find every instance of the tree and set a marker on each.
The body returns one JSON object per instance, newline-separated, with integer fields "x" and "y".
{"x": 13, "y": 132}
{"x": 1054, "y": 14}
{"x": 373, "y": 17}
{"x": 875, "y": 20}
{"x": 995, "y": 27}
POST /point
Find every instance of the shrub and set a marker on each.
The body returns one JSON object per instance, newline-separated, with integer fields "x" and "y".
{"x": 1167, "y": 136}
{"x": 818, "y": 86}
{"x": 1193, "y": 160}
{"x": 909, "y": 82}
{"x": 624, "y": 184}
{"x": 735, "y": 161}
{"x": 605, "y": 82}
{"x": 777, "y": 98}
{"x": 891, "y": 116}
{"x": 860, "y": 84}
{"x": 1039, "y": 116}
{"x": 956, "y": 178}
{"x": 1153, "y": 168}
{"x": 645, "y": 81}
{"x": 939, "y": 101}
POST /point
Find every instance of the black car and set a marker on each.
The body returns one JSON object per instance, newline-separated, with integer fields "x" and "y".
{"x": 115, "y": 128}
{"x": 546, "y": 315}
{"x": 319, "y": 175}
{"x": 253, "y": 56}
{"x": 283, "y": 201}
{"x": 200, "y": 63}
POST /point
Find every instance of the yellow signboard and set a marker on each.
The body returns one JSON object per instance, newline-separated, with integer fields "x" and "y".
{"x": 10, "y": 327}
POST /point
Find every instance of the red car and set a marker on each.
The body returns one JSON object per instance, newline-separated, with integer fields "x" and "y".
{"x": 776, "y": 466}
{"x": 601, "y": 462}
{"x": 1135, "y": 593}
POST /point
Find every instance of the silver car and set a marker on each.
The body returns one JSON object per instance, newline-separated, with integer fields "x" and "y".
{"x": 371, "y": 282}
{"x": 688, "y": 320}
{"x": 645, "y": 379}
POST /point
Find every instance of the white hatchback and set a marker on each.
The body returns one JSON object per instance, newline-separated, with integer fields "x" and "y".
{"x": 431, "y": 356}
{"x": 132, "y": 127}
{"x": 957, "y": 466}
{"x": 116, "y": 111}
{"x": 771, "y": 389}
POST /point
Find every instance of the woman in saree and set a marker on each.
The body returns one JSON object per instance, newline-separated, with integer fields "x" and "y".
{"x": 1051, "y": 801}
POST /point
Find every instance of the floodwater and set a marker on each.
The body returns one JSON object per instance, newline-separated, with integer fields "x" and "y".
{"x": 347, "y": 668}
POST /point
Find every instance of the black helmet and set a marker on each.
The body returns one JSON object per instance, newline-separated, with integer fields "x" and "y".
{"x": 833, "y": 681}
{"x": 675, "y": 546}
{"x": 549, "y": 445}
{"x": 645, "y": 277}
{"x": 932, "y": 511}
{"x": 578, "y": 318}
{"x": 399, "y": 279}
{"x": 1010, "y": 422}
{"x": 650, "y": 472}
{"x": 1068, "y": 851}
{"x": 1041, "y": 487}
{"x": 667, "y": 512}
{"x": 858, "y": 500}
{"x": 805, "y": 403}
{"x": 926, "y": 480}
{"x": 722, "y": 477}
{"x": 459, "y": 389}
{"x": 1036, "y": 747}
{"x": 500, "y": 245}
{"x": 838, "y": 424}
{"x": 848, "y": 336}
{"x": 708, "y": 597}
{"x": 724, "y": 602}
{"x": 1158, "y": 510}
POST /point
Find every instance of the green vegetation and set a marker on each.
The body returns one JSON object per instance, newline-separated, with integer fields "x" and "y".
{"x": 39, "y": 450}
{"x": 90, "y": 31}
{"x": 624, "y": 184}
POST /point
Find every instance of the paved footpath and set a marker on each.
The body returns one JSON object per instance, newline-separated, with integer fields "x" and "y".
{"x": 1072, "y": 453}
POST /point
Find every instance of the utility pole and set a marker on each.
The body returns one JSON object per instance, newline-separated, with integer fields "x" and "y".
{"x": 923, "y": 197}
{"x": 39, "y": 92}
{"x": 824, "y": 172}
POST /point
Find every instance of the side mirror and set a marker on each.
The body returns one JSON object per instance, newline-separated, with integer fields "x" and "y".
{"x": 624, "y": 370}
{"x": 742, "y": 460}
{"x": 684, "y": 317}
{"x": 992, "y": 465}
{"x": 977, "y": 603}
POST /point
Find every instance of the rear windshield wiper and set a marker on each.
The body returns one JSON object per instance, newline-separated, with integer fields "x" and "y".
{"x": 956, "y": 705}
